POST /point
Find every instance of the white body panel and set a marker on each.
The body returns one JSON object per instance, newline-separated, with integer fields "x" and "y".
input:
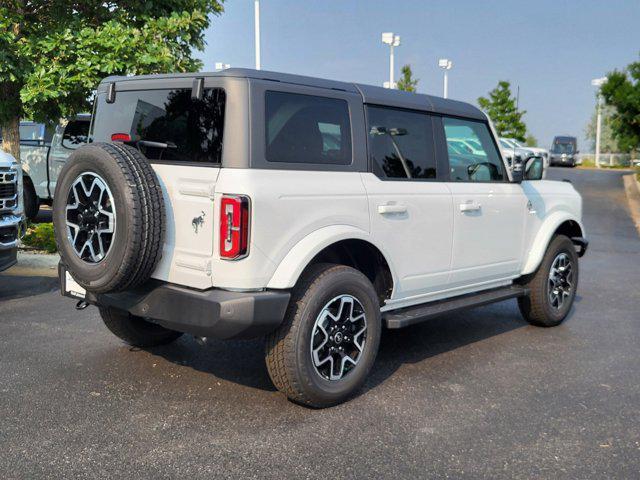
{"x": 434, "y": 248}
{"x": 414, "y": 221}
{"x": 34, "y": 165}
{"x": 188, "y": 249}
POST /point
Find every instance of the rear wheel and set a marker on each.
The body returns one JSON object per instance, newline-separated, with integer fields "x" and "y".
{"x": 135, "y": 330}
{"x": 553, "y": 286}
{"x": 323, "y": 351}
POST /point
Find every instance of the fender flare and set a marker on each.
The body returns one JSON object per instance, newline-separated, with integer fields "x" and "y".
{"x": 543, "y": 238}
{"x": 297, "y": 259}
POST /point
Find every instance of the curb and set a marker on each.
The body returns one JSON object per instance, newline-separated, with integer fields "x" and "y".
{"x": 632, "y": 189}
{"x": 34, "y": 265}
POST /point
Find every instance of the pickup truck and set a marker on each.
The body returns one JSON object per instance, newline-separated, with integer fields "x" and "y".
{"x": 310, "y": 212}
{"x": 44, "y": 153}
{"x": 11, "y": 209}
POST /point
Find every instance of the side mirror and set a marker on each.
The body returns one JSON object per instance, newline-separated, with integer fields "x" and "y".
{"x": 534, "y": 168}
{"x": 516, "y": 169}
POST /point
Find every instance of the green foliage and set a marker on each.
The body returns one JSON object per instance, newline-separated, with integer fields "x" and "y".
{"x": 622, "y": 92}
{"x": 501, "y": 108}
{"x": 40, "y": 236}
{"x": 531, "y": 141}
{"x": 53, "y": 53}
{"x": 407, "y": 82}
{"x": 608, "y": 143}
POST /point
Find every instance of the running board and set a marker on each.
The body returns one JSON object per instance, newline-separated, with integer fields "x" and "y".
{"x": 419, "y": 313}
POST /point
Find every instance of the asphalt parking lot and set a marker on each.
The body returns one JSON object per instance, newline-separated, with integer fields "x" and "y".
{"x": 476, "y": 394}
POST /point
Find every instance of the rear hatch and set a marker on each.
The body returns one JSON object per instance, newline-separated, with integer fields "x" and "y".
{"x": 182, "y": 138}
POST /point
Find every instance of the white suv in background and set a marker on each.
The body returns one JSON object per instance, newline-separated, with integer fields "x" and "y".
{"x": 311, "y": 212}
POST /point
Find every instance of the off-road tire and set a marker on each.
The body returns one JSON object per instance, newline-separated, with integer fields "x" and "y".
{"x": 31, "y": 200}
{"x": 535, "y": 307}
{"x": 140, "y": 217}
{"x": 287, "y": 350}
{"x": 135, "y": 330}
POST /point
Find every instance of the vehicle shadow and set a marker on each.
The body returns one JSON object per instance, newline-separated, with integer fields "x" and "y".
{"x": 21, "y": 286}
{"x": 242, "y": 362}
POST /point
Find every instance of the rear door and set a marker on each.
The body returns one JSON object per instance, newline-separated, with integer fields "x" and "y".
{"x": 410, "y": 208}
{"x": 182, "y": 138}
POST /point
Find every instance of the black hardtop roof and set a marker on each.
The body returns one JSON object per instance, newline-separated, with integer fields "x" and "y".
{"x": 370, "y": 94}
{"x": 564, "y": 138}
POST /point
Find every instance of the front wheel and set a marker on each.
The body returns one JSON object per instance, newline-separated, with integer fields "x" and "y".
{"x": 553, "y": 286}
{"x": 324, "y": 349}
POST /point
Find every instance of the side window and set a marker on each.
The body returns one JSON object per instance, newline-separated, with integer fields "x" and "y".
{"x": 75, "y": 134}
{"x": 307, "y": 129}
{"x": 473, "y": 157}
{"x": 401, "y": 143}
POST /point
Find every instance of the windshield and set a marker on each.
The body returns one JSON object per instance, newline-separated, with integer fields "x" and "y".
{"x": 563, "y": 148}
{"x": 505, "y": 144}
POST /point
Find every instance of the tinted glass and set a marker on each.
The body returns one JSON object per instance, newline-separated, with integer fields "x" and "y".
{"x": 401, "y": 143}
{"x": 166, "y": 124}
{"x": 75, "y": 134}
{"x": 307, "y": 129}
{"x": 482, "y": 164}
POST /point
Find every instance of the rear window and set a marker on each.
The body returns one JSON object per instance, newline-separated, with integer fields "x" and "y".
{"x": 75, "y": 134}
{"x": 166, "y": 125}
{"x": 307, "y": 129}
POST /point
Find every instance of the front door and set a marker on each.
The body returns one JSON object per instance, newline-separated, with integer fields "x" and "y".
{"x": 489, "y": 212}
{"x": 410, "y": 209}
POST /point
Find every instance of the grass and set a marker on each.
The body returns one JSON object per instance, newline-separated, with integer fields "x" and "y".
{"x": 40, "y": 236}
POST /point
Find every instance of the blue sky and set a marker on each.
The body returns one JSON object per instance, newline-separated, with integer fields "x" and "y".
{"x": 551, "y": 49}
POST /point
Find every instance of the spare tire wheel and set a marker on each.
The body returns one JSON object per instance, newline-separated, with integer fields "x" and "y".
{"x": 109, "y": 217}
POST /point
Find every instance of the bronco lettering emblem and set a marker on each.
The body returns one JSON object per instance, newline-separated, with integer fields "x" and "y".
{"x": 197, "y": 222}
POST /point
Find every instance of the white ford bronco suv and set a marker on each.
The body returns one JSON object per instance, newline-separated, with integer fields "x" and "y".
{"x": 312, "y": 212}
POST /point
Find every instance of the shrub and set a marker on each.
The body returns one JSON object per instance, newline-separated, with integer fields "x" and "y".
{"x": 40, "y": 236}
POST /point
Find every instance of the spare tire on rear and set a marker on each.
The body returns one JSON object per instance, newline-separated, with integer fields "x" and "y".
{"x": 109, "y": 217}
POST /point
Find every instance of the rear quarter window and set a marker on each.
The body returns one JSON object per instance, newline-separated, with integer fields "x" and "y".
{"x": 166, "y": 125}
{"x": 307, "y": 129}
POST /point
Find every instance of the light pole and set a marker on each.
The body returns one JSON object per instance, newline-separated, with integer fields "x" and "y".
{"x": 446, "y": 65}
{"x": 393, "y": 40}
{"x": 256, "y": 10}
{"x": 598, "y": 82}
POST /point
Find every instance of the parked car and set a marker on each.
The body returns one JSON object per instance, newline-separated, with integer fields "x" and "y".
{"x": 44, "y": 153}
{"x": 538, "y": 151}
{"x": 510, "y": 151}
{"x": 564, "y": 151}
{"x": 312, "y": 212}
{"x": 11, "y": 209}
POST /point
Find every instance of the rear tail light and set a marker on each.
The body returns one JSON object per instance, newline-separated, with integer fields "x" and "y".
{"x": 234, "y": 227}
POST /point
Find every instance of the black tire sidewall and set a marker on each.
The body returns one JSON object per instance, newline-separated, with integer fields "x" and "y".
{"x": 88, "y": 159}
{"x": 31, "y": 200}
{"x": 350, "y": 282}
{"x": 560, "y": 244}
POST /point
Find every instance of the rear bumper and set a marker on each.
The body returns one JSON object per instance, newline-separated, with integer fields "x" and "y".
{"x": 212, "y": 313}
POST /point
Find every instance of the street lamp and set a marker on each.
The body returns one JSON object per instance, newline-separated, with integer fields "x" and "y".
{"x": 256, "y": 9}
{"x": 598, "y": 82}
{"x": 393, "y": 40}
{"x": 446, "y": 65}
{"x": 222, "y": 66}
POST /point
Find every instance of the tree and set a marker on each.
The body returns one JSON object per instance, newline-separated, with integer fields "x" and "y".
{"x": 531, "y": 141}
{"x": 407, "y": 82}
{"x": 501, "y": 108}
{"x": 608, "y": 143}
{"x": 622, "y": 92}
{"x": 53, "y": 53}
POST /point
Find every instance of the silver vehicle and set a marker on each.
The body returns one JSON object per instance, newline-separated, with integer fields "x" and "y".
{"x": 10, "y": 209}
{"x": 43, "y": 153}
{"x": 538, "y": 151}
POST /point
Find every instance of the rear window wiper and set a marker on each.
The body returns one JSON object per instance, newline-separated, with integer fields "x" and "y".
{"x": 151, "y": 144}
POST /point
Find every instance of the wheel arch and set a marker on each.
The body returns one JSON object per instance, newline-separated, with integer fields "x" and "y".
{"x": 559, "y": 223}
{"x": 339, "y": 244}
